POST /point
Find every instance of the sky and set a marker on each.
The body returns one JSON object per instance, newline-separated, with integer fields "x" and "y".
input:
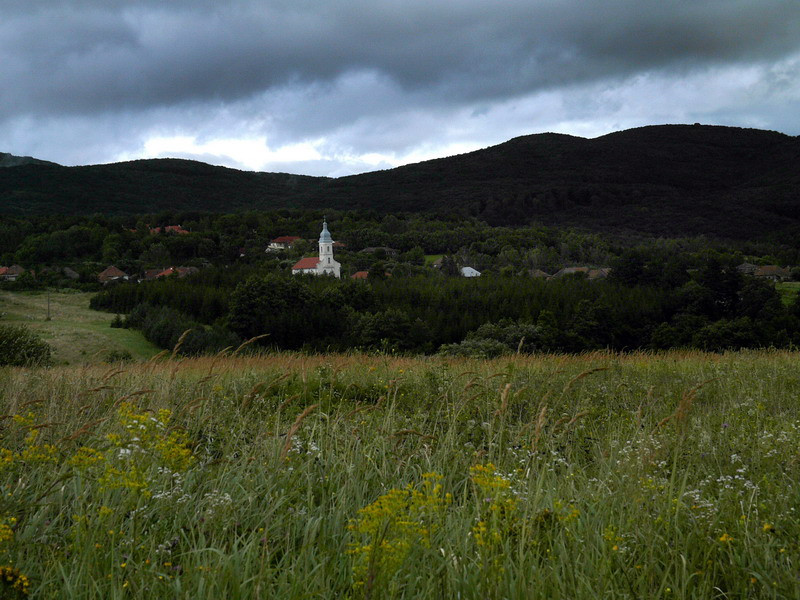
{"x": 337, "y": 87}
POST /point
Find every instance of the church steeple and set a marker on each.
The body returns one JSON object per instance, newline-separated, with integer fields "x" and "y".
{"x": 325, "y": 235}
{"x": 326, "y": 263}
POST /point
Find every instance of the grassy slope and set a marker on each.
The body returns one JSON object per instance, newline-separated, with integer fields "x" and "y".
{"x": 75, "y": 333}
{"x": 788, "y": 291}
{"x": 635, "y": 476}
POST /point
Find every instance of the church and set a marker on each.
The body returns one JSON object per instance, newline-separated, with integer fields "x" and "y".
{"x": 325, "y": 264}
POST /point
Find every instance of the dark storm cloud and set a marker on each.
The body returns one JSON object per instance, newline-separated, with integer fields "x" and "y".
{"x": 341, "y": 86}
{"x": 83, "y": 57}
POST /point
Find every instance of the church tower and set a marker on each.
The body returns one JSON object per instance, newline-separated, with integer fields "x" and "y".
{"x": 327, "y": 265}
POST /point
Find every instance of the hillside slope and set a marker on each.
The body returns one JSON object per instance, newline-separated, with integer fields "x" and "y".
{"x": 660, "y": 180}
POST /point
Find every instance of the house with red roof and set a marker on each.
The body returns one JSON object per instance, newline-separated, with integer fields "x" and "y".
{"x": 283, "y": 242}
{"x": 772, "y": 272}
{"x": 169, "y": 229}
{"x": 111, "y": 273}
{"x": 11, "y": 273}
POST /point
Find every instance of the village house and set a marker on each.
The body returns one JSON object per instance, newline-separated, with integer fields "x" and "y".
{"x": 383, "y": 251}
{"x": 283, "y": 242}
{"x": 182, "y": 272}
{"x": 325, "y": 263}
{"x": 469, "y": 272}
{"x": 772, "y": 272}
{"x": 168, "y": 229}
{"x": 538, "y": 274}
{"x": 591, "y": 274}
{"x": 11, "y": 273}
{"x": 111, "y": 273}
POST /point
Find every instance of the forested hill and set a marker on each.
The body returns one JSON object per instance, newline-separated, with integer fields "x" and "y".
{"x": 9, "y": 160}
{"x": 670, "y": 180}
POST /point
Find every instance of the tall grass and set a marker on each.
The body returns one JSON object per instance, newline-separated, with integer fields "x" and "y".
{"x": 295, "y": 476}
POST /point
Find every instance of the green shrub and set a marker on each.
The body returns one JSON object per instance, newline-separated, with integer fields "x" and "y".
{"x": 20, "y": 347}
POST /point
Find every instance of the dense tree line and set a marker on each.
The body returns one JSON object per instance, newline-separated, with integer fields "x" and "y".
{"x": 710, "y": 306}
{"x": 89, "y": 244}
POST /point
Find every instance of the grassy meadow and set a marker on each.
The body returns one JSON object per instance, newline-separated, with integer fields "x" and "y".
{"x": 352, "y": 476}
{"x": 76, "y": 334}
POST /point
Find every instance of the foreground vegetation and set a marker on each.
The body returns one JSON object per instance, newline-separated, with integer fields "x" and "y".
{"x": 602, "y": 475}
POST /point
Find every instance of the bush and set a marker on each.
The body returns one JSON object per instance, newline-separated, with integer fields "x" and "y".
{"x": 19, "y": 347}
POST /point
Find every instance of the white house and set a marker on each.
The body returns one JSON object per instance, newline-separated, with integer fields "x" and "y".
{"x": 283, "y": 242}
{"x": 469, "y": 272}
{"x": 325, "y": 263}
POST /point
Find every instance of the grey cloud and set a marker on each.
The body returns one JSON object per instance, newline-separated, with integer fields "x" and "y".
{"x": 104, "y": 56}
{"x": 97, "y": 78}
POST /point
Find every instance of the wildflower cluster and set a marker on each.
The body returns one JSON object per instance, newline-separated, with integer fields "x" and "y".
{"x": 150, "y": 433}
{"x": 6, "y": 529}
{"x": 391, "y": 526}
{"x": 13, "y": 582}
{"x": 144, "y": 439}
{"x": 498, "y": 511}
{"x": 31, "y": 453}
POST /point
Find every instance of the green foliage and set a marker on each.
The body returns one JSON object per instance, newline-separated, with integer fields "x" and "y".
{"x": 165, "y": 327}
{"x": 661, "y": 181}
{"x": 347, "y": 476}
{"x": 22, "y": 348}
{"x": 491, "y": 340}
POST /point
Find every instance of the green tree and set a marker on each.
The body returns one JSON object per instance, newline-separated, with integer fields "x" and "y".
{"x": 21, "y": 348}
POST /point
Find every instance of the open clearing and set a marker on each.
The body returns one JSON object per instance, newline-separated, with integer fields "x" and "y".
{"x": 77, "y": 334}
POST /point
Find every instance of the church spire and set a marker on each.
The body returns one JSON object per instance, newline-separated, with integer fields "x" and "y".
{"x": 325, "y": 235}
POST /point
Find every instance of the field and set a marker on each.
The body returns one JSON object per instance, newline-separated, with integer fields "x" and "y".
{"x": 76, "y": 334}
{"x": 292, "y": 476}
{"x": 788, "y": 291}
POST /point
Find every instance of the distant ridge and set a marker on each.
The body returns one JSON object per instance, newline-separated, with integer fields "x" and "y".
{"x": 664, "y": 180}
{"x": 9, "y": 160}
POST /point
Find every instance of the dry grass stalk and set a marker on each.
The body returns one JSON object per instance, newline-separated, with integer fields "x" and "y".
{"x": 112, "y": 373}
{"x": 161, "y": 354}
{"x": 540, "y": 423}
{"x": 364, "y": 407}
{"x": 580, "y": 376}
{"x": 574, "y": 419}
{"x": 681, "y": 414}
{"x": 471, "y": 384}
{"x": 132, "y": 395}
{"x": 561, "y": 421}
{"x": 248, "y": 342}
{"x": 96, "y": 389}
{"x": 686, "y": 402}
{"x": 179, "y": 343}
{"x": 293, "y": 429}
{"x": 399, "y": 435}
{"x": 286, "y": 402}
{"x": 503, "y": 400}
{"x": 83, "y": 430}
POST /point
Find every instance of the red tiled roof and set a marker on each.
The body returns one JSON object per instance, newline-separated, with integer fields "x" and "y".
{"x": 771, "y": 271}
{"x": 360, "y": 275}
{"x": 3, "y": 270}
{"x": 166, "y": 272}
{"x": 111, "y": 272}
{"x": 170, "y": 228}
{"x": 286, "y": 239}
{"x": 306, "y": 263}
